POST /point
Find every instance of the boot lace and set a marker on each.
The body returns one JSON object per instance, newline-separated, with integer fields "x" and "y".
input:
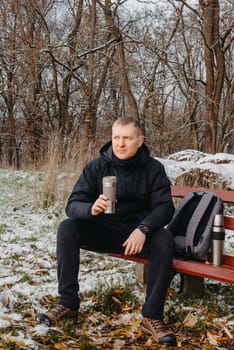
{"x": 58, "y": 310}
{"x": 158, "y": 325}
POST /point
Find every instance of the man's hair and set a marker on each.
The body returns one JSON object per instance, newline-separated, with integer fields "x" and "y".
{"x": 129, "y": 120}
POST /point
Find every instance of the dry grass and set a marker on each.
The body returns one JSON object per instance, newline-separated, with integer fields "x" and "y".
{"x": 65, "y": 161}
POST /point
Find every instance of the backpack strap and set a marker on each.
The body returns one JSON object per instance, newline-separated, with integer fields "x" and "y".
{"x": 179, "y": 211}
{"x": 206, "y": 198}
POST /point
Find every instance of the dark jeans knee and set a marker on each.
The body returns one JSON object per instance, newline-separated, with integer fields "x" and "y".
{"x": 67, "y": 234}
{"x": 67, "y": 225}
{"x": 163, "y": 243}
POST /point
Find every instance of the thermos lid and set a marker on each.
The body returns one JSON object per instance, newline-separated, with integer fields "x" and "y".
{"x": 109, "y": 181}
{"x": 218, "y": 220}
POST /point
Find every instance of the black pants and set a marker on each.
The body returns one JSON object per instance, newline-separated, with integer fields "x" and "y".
{"x": 74, "y": 234}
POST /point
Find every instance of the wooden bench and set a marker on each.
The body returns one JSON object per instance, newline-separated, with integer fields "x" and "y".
{"x": 194, "y": 272}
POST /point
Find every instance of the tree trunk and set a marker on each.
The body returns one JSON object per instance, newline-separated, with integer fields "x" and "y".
{"x": 123, "y": 75}
{"x": 215, "y": 68}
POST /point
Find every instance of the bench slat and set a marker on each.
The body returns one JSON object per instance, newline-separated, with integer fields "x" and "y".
{"x": 223, "y": 273}
{"x": 229, "y": 222}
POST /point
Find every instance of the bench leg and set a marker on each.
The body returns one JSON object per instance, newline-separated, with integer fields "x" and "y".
{"x": 192, "y": 286}
{"x": 141, "y": 273}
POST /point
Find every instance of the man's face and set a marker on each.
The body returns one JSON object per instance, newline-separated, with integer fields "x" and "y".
{"x": 125, "y": 141}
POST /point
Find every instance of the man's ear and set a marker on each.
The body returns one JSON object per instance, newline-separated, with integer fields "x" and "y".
{"x": 141, "y": 140}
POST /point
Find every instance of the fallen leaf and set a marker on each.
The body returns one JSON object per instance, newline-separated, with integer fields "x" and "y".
{"x": 118, "y": 291}
{"x": 41, "y": 272}
{"x": 211, "y": 339}
{"x": 118, "y": 344}
{"x": 227, "y": 332}
{"x": 126, "y": 308}
{"x": 116, "y": 300}
{"x": 190, "y": 320}
{"x": 60, "y": 346}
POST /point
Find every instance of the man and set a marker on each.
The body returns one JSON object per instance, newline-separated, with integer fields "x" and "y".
{"x": 143, "y": 207}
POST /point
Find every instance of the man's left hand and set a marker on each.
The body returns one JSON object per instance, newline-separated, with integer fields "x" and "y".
{"x": 134, "y": 244}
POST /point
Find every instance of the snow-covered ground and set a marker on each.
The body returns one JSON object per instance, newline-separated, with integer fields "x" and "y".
{"x": 28, "y": 239}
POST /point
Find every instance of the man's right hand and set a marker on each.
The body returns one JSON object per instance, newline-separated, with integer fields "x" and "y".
{"x": 100, "y": 205}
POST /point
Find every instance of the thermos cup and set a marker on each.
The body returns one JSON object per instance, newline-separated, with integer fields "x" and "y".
{"x": 218, "y": 236}
{"x": 109, "y": 189}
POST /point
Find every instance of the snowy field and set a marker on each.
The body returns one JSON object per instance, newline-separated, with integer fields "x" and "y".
{"x": 28, "y": 240}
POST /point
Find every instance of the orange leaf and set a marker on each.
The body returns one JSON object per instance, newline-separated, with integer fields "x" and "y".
{"x": 118, "y": 291}
{"x": 60, "y": 346}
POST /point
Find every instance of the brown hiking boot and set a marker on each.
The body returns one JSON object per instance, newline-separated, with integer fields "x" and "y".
{"x": 159, "y": 331}
{"x": 55, "y": 314}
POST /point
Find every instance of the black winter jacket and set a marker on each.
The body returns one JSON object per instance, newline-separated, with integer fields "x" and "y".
{"x": 143, "y": 191}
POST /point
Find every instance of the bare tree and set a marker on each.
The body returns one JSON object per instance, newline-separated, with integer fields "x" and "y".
{"x": 111, "y": 18}
{"x": 8, "y": 84}
{"x": 215, "y": 69}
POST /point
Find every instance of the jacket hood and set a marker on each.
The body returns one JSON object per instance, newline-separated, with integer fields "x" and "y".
{"x": 140, "y": 158}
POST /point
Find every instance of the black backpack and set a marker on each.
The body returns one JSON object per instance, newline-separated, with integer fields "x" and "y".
{"x": 192, "y": 223}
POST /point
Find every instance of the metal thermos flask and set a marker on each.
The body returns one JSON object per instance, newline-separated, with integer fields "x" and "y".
{"x": 218, "y": 236}
{"x": 109, "y": 189}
